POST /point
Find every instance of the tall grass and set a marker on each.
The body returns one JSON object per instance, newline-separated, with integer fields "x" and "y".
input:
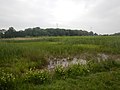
{"x": 39, "y": 50}
{"x": 59, "y": 46}
{"x": 18, "y": 56}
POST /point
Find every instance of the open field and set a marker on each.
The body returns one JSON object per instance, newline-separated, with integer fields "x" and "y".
{"x": 24, "y": 63}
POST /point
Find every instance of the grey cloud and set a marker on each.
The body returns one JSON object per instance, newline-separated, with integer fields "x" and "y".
{"x": 101, "y": 15}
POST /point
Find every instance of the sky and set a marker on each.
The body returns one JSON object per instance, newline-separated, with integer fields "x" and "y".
{"x": 100, "y": 16}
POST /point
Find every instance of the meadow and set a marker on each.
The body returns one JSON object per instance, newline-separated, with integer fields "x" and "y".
{"x": 24, "y": 61}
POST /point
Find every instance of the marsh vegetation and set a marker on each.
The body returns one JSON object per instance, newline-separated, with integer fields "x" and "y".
{"x": 60, "y": 63}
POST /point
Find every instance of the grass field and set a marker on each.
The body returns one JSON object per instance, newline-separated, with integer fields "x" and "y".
{"x": 23, "y": 63}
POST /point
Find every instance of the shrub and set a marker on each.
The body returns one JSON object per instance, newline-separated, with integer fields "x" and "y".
{"x": 60, "y": 72}
{"x": 77, "y": 70}
{"x": 72, "y": 71}
{"x": 102, "y": 66}
{"x": 7, "y": 81}
{"x": 37, "y": 76}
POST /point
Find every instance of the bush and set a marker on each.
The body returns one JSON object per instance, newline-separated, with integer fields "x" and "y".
{"x": 60, "y": 72}
{"x": 7, "y": 81}
{"x": 102, "y": 66}
{"x": 37, "y": 76}
{"x": 71, "y": 71}
{"x": 77, "y": 70}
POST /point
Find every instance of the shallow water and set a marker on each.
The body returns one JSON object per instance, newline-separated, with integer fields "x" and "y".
{"x": 65, "y": 62}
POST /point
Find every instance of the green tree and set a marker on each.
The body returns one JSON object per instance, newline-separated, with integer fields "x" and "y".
{"x": 11, "y": 32}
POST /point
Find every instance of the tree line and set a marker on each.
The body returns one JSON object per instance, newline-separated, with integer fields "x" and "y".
{"x": 116, "y": 34}
{"x": 37, "y": 31}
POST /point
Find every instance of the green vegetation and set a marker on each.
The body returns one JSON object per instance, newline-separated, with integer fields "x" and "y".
{"x": 23, "y": 63}
{"x": 37, "y": 31}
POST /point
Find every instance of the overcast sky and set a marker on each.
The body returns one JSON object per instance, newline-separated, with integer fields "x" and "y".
{"x": 100, "y": 16}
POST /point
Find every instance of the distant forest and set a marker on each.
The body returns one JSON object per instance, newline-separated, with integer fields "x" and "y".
{"x": 37, "y": 31}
